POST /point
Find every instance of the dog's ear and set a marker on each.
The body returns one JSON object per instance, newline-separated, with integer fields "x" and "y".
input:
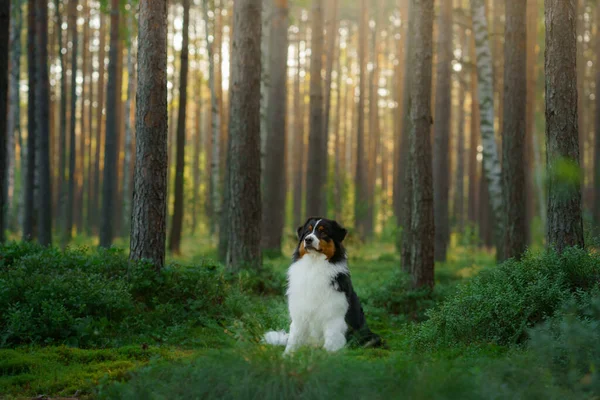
{"x": 338, "y": 232}
{"x": 299, "y": 231}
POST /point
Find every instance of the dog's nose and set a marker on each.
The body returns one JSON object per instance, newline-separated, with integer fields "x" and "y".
{"x": 308, "y": 240}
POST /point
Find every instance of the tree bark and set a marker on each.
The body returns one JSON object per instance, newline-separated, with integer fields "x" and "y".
{"x": 298, "y": 153}
{"x": 4, "y": 46}
{"x": 177, "y": 221}
{"x": 72, "y": 146}
{"x": 441, "y": 127}
{"x": 596, "y": 210}
{"x": 361, "y": 198}
{"x": 491, "y": 162}
{"x": 29, "y": 203}
{"x": 127, "y": 175}
{"x": 422, "y": 220}
{"x": 513, "y": 138}
{"x": 149, "y": 210}
{"x": 565, "y": 226}
{"x": 96, "y": 176}
{"x": 42, "y": 118}
{"x": 109, "y": 186}
{"x": 244, "y": 138}
{"x": 61, "y": 208}
{"x": 316, "y": 163}
{"x": 274, "y": 174}
{"x": 474, "y": 182}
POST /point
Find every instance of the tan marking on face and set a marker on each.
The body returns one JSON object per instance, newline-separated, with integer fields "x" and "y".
{"x": 327, "y": 248}
{"x": 310, "y": 228}
{"x": 302, "y": 250}
{"x": 321, "y": 229}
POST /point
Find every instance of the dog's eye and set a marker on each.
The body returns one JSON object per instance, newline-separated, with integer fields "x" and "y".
{"x": 310, "y": 227}
{"x": 321, "y": 229}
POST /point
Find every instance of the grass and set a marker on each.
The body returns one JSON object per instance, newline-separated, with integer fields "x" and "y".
{"x": 223, "y": 357}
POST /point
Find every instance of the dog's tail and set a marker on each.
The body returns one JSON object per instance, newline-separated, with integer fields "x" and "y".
{"x": 276, "y": 338}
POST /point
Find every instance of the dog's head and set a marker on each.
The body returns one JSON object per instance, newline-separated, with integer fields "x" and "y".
{"x": 321, "y": 235}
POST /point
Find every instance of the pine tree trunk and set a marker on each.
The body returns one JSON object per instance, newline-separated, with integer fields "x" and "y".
{"x": 14, "y": 111}
{"x": 127, "y": 175}
{"x": 298, "y": 153}
{"x": 198, "y": 136}
{"x": 96, "y": 177}
{"x": 422, "y": 220}
{"x": 473, "y": 202}
{"x": 565, "y": 226}
{"x": 442, "y": 126}
{"x": 274, "y": 174}
{"x": 596, "y": 210}
{"x": 177, "y": 221}
{"x": 29, "y": 203}
{"x": 4, "y": 46}
{"x": 530, "y": 131}
{"x": 149, "y": 209}
{"x": 42, "y": 118}
{"x": 244, "y": 138}
{"x": 361, "y": 198}
{"x": 61, "y": 207}
{"x": 338, "y": 144}
{"x": 109, "y": 186}
{"x": 316, "y": 163}
{"x": 71, "y": 201}
{"x": 513, "y": 138}
{"x": 459, "y": 195}
{"x": 82, "y": 122}
{"x": 491, "y": 162}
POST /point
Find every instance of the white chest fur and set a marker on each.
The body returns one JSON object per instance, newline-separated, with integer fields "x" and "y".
{"x": 316, "y": 308}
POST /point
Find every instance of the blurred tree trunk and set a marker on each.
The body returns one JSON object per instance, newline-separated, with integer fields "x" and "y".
{"x": 244, "y": 138}
{"x": 513, "y": 142}
{"x": 491, "y": 162}
{"x": 127, "y": 175}
{"x": 474, "y": 182}
{"x": 361, "y": 198}
{"x": 422, "y": 220}
{"x": 441, "y": 127}
{"x": 71, "y": 201}
{"x": 274, "y": 174}
{"x": 596, "y": 210}
{"x": 338, "y": 144}
{"x": 316, "y": 164}
{"x": 83, "y": 131}
{"x": 331, "y": 41}
{"x": 530, "y": 165}
{"x": 580, "y": 31}
{"x": 462, "y": 78}
{"x": 42, "y": 118}
{"x": 177, "y": 221}
{"x": 29, "y": 212}
{"x": 4, "y": 47}
{"x": 565, "y": 226}
{"x": 149, "y": 209}
{"x": 88, "y": 144}
{"x": 298, "y": 153}
{"x": 14, "y": 113}
{"x": 109, "y": 186}
{"x": 96, "y": 176}
{"x": 61, "y": 206}
{"x": 198, "y": 139}
{"x": 216, "y": 128}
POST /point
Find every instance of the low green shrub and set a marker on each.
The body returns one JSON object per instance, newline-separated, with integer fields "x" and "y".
{"x": 92, "y": 298}
{"x": 501, "y": 304}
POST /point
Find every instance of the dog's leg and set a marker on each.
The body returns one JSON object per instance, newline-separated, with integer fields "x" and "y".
{"x": 296, "y": 338}
{"x": 335, "y": 335}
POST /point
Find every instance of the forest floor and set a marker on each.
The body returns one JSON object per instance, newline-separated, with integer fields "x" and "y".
{"x": 225, "y": 359}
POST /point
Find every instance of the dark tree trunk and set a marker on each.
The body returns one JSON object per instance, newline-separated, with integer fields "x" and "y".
{"x": 565, "y": 226}
{"x": 42, "y": 118}
{"x": 83, "y": 119}
{"x": 29, "y": 203}
{"x": 361, "y": 198}
{"x": 442, "y": 126}
{"x": 316, "y": 164}
{"x": 298, "y": 153}
{"x": 244, "y": 138}
{"x": 275, "y": 186}
{"x": 513, "y": 138}
{"x": 61, "y": 208}
{"x": 72, "y": 145}
{"x": 422, "y": 223}
{"x": 149, "y": 210}
{"x": 596, "y": 210}
{"x": 473, "y": 203}
{"x": 177, "y": 220}
{"x": 4, "y": 41}
{"x": 109, "y": 186}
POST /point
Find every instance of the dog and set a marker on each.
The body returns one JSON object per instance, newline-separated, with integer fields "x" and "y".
{"x": 325, "y": 310}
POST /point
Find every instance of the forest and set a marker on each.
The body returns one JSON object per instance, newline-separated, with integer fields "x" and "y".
{"x": 158, "y": 157}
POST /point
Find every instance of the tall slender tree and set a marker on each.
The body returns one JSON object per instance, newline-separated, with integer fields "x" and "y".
{"x": 316, "y": 164}
{"x": 274, "y": 174}
{"x": 72, "y": 137}
{"x": 4, "y": 42}
{"x": 177, "y": 221}
{"x": 109, "y": 186}
{"x": 127, "y": 164}
{"x": 565, "y": 226}
{"x": 149, "y": 211}
{"x": 597, "y": 136}
{"x": 42, "y": 118}
{"x": 361, "y": 198}
{"x": 244, "y": 138}
{"x": 442, "y": 126}
{"x": 62, "y": 209}
{"x": 29, "y": 200}
{"x": 513, "y": 138}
